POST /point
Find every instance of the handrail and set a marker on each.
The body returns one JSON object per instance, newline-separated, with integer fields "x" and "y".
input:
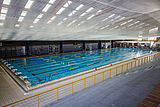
{"x": 84, "y": 78}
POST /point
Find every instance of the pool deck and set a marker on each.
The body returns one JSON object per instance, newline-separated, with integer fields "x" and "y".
{"x": 126, "y": 90}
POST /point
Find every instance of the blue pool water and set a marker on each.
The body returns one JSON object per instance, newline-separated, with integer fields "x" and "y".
{"x": 43, "y": 69}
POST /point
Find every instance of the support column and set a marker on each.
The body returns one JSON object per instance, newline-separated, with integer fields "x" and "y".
{"x": 61, "y": 47}
{"x": 99, "y": 44}
{"x": 84, "y": 46}
{"x": 111, "y": 43}
{"x": 27, "y": 49}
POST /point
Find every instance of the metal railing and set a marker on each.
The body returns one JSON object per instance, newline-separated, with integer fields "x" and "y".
{"x": 59, "y": 92}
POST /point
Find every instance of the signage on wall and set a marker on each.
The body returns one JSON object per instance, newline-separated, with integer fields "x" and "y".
{"x": 0, "y": 43}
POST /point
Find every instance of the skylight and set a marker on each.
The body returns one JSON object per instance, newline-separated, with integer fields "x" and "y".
{"x": 20, "y": 19}
{"x": 31, "y": 26}
{"x": 117, "y": 17}
{"x": 64, "y": 7}
{"x": 72, "y": 22}
{"x": 90, "y": 17}
{"x": 7, "y": 2}
{"x": 111, "y": 16}
{"x": 116, "y": 27}
{"x": 98, "y": 11}
{"x": 130, "y": 20}
{"x": 104, "y": 27}
{"x": 2, "y": 16}
{"x": 137, "y": 22}
{"x": 53, "y": 17}
{"x": 45, "y": 9}
{"x": 72, "y": 13}
{"x": 51, "y": 1}
{"x": 67, "y": 4}
{"x": 40, "y": 16}
{"x": 130, "y": 25}
{"x": 49, "y": 21}
{"x": 123, "y": 23}
{"x": 1, "y": 24}
{"x": 83, "y": 14}
{"x": 60, "y": 10}
{"x": 36, "y": 20}
{"x": 23, "y": 13}
{"x": 4, "y": 10}
{"x": 59, "y": 23}
{"x": 142, "y": 24}
{"x": 89, "y": 9}
{"x": 29, "y": 4}
{"x": 81, "y": 23}
{"x": 79, "y": 7}
{"x": 122, "y": 18}
{"x": 17, "y": 25}
{"x": 64, "y": 19}
{"x": 105, "y": 19}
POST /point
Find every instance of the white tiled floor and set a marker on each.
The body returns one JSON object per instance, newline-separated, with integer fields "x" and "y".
{"x": 8, "y": 90}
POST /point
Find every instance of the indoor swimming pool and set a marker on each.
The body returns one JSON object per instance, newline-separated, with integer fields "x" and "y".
{"x": 39, "y": 70}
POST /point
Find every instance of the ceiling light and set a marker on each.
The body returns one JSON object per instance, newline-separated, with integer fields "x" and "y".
{"x": 1, "y": 24}
{"x": 51, "y": 1}
{"x": 23, "y": 13}
{"x": 17, "y": 25}
{"x": 2, "y": 16}
{"x": 7, "y": 2}
{"x": 89, "y": 9}
{"x": 29, "y": 4}
{"x": 90, "y": 17}
{"x": 79, "y": 7}
{"x": 45, "y": 9}
{"x": 40, "y": 15}
{"x": 4, "y": 10}
{"x": 60, "y": 10}
{"x": 20, "y": 19}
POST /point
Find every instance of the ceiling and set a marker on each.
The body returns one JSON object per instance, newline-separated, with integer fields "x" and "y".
{"x": 78, "y": 19}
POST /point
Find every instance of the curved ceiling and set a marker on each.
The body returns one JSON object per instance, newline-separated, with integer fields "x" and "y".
{"x": 77, "y": 19}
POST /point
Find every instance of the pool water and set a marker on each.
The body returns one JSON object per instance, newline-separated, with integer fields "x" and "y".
{"x": 39, "y": 70}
